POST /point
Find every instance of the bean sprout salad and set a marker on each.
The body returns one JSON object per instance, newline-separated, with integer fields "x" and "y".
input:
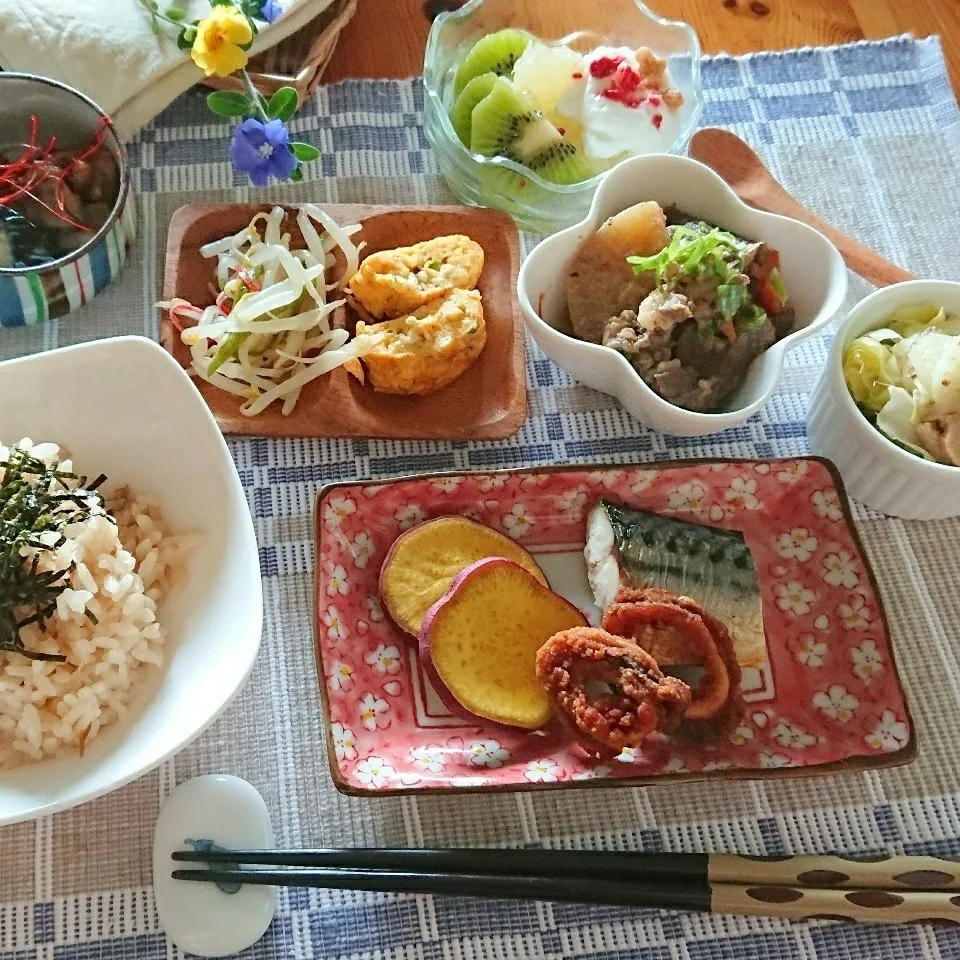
{"x": 269, "y": 333}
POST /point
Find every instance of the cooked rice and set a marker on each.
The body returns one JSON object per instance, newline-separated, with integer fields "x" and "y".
{"x": 126, "y": 564}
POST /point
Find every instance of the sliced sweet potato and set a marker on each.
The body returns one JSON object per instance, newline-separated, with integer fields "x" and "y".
{"x": 479, "y": 642}
{"x": 423, "y": 562}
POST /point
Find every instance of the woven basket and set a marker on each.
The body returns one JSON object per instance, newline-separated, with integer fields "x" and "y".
{"x": 300, "y": 59}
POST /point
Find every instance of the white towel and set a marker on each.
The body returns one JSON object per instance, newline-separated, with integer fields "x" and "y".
{"x": 109, "y": 50}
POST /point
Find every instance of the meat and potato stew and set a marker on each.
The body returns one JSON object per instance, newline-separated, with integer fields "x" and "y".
{"x": 689, "y": 304}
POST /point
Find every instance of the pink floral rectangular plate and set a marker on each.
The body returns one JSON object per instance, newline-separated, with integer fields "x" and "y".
{"x": 827, "y": 699}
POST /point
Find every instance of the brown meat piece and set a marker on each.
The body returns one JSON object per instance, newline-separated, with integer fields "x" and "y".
{"x": 715, "y": 359}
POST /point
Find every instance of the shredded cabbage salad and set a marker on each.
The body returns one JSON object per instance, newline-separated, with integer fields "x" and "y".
{"x": 905, "y": 376}
{"x": 269, "y": 333}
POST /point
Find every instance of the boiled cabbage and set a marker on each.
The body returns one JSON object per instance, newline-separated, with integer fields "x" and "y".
{"x": 907, "y": 373}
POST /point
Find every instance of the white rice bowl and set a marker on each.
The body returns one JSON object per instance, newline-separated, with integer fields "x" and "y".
{"x": 125, "y": 564}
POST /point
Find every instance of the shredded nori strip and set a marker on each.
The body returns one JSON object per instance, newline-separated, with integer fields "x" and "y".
{"x": 36, "y": 499}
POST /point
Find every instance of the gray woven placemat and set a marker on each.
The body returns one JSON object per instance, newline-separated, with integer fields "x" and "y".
{"x": 869, "y": 136}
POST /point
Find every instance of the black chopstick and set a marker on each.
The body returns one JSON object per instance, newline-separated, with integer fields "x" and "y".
{"x": 560, "y": 889}
{"x": 897, "y": 889}
{"x": 620, "y": 865}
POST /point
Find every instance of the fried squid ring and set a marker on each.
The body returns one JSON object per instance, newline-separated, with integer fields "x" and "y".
{"x": 608, "y": 691}
{"x": 717, "y": 703}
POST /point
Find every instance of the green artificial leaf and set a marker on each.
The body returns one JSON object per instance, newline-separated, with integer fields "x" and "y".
{"x": 186, "y": 37}
{"x": 221, "y": 3}
{"x": 152, "y": 5}
{"x": 229, "y": 103}
{"x": 297, "y": 175}
{"x": 283, "y": 104}
{"x": 175, "y": 13}
{"x": 305, "y": 152}
{"x": 252, "y": 8}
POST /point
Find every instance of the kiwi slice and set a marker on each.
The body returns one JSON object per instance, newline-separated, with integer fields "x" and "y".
{"x": 462, "y": 113}
{"x": 508, "y": 124}
{"x": 494, "y": 53}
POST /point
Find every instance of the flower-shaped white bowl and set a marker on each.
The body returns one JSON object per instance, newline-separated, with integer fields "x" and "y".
{"x": 875, "y": 470}
{"x": 124, "y": 407}
{"x": 813, "y": 272}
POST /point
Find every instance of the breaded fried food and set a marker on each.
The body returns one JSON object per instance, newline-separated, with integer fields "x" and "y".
{"x": 677, "y": 632}
{"x": 394, "y": 283}
{"x": 607, "y": 690}
{"x": 428, "y": 348}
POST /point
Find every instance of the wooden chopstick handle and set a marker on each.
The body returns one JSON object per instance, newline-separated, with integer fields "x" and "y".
{"x": 869, "y": 905}
{"x": 887, "y": 873}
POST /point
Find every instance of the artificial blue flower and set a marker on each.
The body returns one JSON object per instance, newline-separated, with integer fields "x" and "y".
{"x": 271, "y": 10}
{"x": 262, "y": 150}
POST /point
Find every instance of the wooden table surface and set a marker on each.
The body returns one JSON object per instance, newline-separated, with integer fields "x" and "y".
{"x": 387, "y": 37}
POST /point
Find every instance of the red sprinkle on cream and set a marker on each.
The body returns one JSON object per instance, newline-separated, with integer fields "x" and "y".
{"x": 657, "y": 120}
{"x": 562, "y": 131}
{"x": 578, "y": 75}
{"x": 626, "y": 87}
{"x": 627, "y": 79}
{"x": 604, "y": 66}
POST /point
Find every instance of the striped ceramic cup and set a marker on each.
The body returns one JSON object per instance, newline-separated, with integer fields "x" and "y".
{"x": 35, "y": 294}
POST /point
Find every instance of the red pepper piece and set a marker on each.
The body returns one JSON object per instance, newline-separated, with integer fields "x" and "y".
{"x": 766, "y": 293}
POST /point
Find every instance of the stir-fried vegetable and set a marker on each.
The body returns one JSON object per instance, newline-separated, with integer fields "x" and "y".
{"x": 741, "y": 280}
{"x": 689, "y": 253}
{"x": 905, "y": 376}
{"x": 269, "y": 332}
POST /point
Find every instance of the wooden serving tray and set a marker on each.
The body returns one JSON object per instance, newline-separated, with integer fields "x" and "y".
{"x": 488, "y": 402}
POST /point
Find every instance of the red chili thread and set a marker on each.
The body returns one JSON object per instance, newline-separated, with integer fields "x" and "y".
{"x": 33, "y": 166}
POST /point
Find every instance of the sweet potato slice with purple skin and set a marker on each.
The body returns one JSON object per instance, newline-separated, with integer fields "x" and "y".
{"x": 423, "y": 562}
{"x": 479, "y": 642}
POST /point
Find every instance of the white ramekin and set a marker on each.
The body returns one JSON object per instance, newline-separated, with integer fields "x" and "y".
{"x": 875, "y": 470}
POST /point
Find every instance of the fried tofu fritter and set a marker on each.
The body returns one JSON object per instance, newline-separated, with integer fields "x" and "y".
{"x": 428, "y": 348}
{"x": 393, "y": 283}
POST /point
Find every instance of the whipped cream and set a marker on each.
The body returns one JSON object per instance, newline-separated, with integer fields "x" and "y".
{"x": 623, "y": 101}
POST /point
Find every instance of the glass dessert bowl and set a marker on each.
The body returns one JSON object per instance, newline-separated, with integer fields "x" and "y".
{"x": 554, "y": 191}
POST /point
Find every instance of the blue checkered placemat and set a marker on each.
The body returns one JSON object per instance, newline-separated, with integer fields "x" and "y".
{"x": 867, "y": 135}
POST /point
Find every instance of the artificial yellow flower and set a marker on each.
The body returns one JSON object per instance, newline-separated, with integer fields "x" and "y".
{"x": 220, "y": 36}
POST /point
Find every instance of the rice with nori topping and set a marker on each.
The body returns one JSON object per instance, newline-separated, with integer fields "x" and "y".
{"x": 124, "y": 563}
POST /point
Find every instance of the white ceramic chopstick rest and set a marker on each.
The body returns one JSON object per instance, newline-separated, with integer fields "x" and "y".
{"x": 199, "y": 917}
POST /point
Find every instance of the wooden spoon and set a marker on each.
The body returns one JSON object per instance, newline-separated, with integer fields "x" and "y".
{"x": 726, "y": 154}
